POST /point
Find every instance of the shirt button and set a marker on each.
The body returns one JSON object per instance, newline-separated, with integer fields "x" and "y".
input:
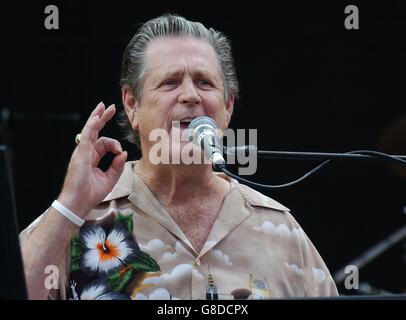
{"x": 197, "y": 262}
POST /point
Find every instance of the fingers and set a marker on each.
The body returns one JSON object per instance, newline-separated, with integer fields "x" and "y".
{"x": 97, "y": 120}
{"x": 116, "y": 168}
{"x": 98, "y": 111}
{"x": 106, "y": 117}
{"x": 89, "y": 130}
{"x": 104, "y": 145}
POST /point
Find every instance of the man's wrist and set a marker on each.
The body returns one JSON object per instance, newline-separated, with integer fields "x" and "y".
{"x": 73, "y": 205}
{"x": 67, "y": 213}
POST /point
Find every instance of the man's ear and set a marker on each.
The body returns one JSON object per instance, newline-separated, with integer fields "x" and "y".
{"x": 130, "y": 106}
{"x": 230, "y": 108}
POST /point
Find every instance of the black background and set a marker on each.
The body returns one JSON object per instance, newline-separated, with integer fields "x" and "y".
{"x": 307, "y": 84}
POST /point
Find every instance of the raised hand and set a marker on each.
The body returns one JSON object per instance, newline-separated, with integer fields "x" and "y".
{"x": 85, "y": 184}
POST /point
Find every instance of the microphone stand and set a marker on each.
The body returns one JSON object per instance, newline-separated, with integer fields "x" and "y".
{"x": 328, "y": 157}
{"x": 319, "y": 155}
{"x": 307, "y": 155}
{"x": 359, "y": 155}
{"x": 372, "y": 253}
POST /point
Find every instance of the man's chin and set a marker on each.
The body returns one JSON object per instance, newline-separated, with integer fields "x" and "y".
{"x": 179, "y": 134}
{"x": 187, "y": 153}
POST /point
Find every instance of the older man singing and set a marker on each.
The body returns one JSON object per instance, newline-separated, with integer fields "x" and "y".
{"x": 166, "y": 230}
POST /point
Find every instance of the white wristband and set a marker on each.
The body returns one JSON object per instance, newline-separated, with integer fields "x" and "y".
{"x": 67, "y": 213}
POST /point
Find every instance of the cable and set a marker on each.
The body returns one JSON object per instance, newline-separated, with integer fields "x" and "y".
{"x": 291, "y": 183}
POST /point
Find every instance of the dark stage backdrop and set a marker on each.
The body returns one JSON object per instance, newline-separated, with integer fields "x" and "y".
{"x": 307, "y": 84}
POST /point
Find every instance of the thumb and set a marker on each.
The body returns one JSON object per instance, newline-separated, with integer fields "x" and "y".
{"x": 117, "y": 166}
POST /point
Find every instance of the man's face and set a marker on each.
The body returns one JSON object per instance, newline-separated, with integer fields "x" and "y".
{"x": 183, "y": 81}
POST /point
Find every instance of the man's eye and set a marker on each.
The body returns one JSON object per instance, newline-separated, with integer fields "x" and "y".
{"x": 203, "y": 82}
{"x": 169, "y": 82}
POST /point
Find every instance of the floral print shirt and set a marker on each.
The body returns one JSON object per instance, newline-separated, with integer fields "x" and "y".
{"x": 131, "y": 248}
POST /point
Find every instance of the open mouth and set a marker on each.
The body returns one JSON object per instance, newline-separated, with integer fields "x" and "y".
{"x": 184, "y": 123}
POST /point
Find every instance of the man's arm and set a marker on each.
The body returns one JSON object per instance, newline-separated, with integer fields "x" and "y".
{"x": 84, "y": 188}
{"x": 44, "y": 247}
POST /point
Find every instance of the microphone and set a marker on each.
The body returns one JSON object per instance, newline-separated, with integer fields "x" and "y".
{"x": 202, "y": 131}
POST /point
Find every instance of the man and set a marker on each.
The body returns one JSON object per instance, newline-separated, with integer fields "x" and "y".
{"x": 167, "y": 231}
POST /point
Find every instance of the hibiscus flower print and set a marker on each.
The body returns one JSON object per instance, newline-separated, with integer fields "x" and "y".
{"x": 106, "y": 252}
{"x": 97, "y": 290}
{"x": 106, "y": 261}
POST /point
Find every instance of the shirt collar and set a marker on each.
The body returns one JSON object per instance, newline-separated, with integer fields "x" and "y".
{"x": 124, "y": 185}
{"x": 128, "y": 183}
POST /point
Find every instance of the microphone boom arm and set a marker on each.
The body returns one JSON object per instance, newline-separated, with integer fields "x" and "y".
{"x": 293, "y": 155}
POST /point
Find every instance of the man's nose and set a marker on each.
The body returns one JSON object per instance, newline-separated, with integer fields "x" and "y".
{"x": 189, "y": 95}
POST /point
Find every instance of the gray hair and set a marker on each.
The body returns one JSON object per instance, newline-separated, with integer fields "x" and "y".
{"x": 134, "y": 68}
